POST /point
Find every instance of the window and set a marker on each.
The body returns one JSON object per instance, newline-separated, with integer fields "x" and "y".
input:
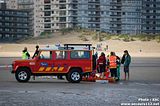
{"x": 6, "y": 29}
{"x": 7, "y": 24}
{"x": 80, "y": 54}
{"x": 47, "y": 13}
{"x": 47, "y": 25}
{"x": 46, "y": 55}
{"x": 7, "y": 12}
{"x": 154, "y": 11}
{"x": 46, "y": 1}
{"x": 47, "y": 7}
{"x": 61, "y": 54}
{"x": 7, "y": 18}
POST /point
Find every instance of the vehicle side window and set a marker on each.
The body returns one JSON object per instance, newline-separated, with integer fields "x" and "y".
{"x": 80, "y": 54}
{"x": 61, "y": 54}
{"x": 46, "y": 55}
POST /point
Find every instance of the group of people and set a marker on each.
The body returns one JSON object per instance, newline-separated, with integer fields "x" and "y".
{"x": 26, "y": 55}
{"x": 113, "y": 63}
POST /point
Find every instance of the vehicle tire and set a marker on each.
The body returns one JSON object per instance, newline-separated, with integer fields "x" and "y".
{"x": 23, "y": 75}
{"x": 74, "y": 76}
{"x": 67, "y": 78}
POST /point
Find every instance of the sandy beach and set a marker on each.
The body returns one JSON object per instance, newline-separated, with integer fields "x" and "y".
{"x": 148, "y": 49}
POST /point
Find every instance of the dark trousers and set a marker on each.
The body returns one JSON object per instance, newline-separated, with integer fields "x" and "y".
{"x": 113, "y": 72}
{"x": 101, "y": 68}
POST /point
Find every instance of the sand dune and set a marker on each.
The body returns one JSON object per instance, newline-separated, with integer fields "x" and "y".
{"x": 149, "y": 49}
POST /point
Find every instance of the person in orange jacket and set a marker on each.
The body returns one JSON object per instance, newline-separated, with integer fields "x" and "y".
{"x": 112, "y": 64}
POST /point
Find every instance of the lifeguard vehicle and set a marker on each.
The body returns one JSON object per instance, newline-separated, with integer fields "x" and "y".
{"x": 70, "y": 60}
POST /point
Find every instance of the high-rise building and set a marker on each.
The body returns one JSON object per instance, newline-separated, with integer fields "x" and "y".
{"x": 113, "y": 16}
{"x": 23, "y": 5}
{"x": 14, "y": 24}
{"x": 151, "y": 16}
{"x": 20, "y": 4}
{"x": 131, "y": 16}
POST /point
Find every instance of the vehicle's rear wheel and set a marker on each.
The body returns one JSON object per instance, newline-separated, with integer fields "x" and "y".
{"x": 74, "y": 76}
{"x": 23, "y": 75}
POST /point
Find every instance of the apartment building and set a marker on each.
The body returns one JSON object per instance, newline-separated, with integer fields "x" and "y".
{"x": 14, "y": 24}
{"x": 113, "y": 16}
{"x": 23, "y": 5}
{"x": 151, "y": 16}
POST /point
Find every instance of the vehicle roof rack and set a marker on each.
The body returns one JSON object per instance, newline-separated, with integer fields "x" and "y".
{"x": 68, "y": 46}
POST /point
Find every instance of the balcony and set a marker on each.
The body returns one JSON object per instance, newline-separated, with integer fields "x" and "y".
{"x": 116, "y": 4}
{"x": 73, "y": 14}
{"x": 94, "y": 27}
{"x": 73, "y": 1}
{"x": 47, "y": 7}
{"x": 116, "y": 9}
{"x": 151, "y": 14}
{"x": 96, "y": 14}
{"x": 115, "y": 16}
{"x": 47, "y": 1}
{"x": 115, "y": 28}
{"x": 62, "y": 7}
{"x": 25, "y": 3}
{"x": 151, "y": 8}
{"x": 62, "y": 1}
{"x": 116, "y": 22}
{"x": 94, "y": 8}
{"x": 151, "y": 25}
{"x": 75, "y": 20}
{"x": 151, "y": 31}
{"x": 151, "y": 2}
{"x": 47, "y": 20}
{"x": 96, "y": 1}
{"x": 94, "y": 21}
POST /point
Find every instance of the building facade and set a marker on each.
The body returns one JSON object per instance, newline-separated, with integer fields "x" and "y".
{"x": 14, "y": 24}
{"x": 151, "y": 16}
{"x": 112, "y": 16}
{"x": 23, "y": 5}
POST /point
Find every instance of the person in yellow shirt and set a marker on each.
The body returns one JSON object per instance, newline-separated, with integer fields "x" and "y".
{"x": 25, "y": 54}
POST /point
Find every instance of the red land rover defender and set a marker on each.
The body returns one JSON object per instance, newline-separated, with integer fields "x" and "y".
{"x": 71, "y": 60}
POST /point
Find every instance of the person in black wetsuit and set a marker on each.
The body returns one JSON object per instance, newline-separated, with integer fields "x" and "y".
{"x": 36, "y": 52}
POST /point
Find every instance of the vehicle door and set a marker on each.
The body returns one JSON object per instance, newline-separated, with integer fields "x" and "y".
{"x": 82, "y": 59}
{"x": 44, "y": 62}
{"x": 60, "y": 64}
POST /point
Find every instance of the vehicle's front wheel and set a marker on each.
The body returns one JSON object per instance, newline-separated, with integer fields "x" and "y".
{"x": 23, "y": 75}
{"x": 74, "y": 76}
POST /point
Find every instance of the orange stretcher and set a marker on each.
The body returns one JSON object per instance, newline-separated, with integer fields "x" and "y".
{"x": 93, "y": 77}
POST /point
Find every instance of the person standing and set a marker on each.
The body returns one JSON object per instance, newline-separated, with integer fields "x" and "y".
{"x": 112, "y": 64}
{"x": 96, "y": 55}
{"x": 36, "y": 52}
{"x": 25, "y": 54}
{"x": 101, "y": 63}
{"x": 126, "y": 60}
{"x": 118, "y": 67}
